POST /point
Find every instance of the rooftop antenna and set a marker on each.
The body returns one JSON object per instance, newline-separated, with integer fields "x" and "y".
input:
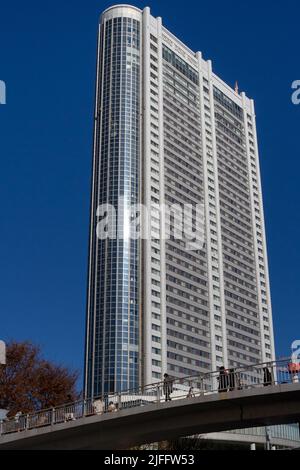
{"x": 236, "y": 87}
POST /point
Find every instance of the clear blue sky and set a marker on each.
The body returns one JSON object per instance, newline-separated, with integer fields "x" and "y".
{"x": 47, "y": 59}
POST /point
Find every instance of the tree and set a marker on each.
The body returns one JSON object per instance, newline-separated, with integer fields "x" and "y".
{"x": 29, "y": 383}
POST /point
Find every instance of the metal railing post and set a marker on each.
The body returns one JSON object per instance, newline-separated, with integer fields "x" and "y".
{"x": 52, "y": 416}
{"x": 119, "y": 401}
{"x": 158, "y": 393}
{"x": 201, "y": 385}
{"x": 1, "y": 427}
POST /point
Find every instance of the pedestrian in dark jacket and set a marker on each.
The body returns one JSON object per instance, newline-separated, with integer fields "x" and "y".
{"x": 267, "y": 377}
{"x": 231, "y": 379}
{"x": 168, "y": 386}
{"x": 223, "y": 380}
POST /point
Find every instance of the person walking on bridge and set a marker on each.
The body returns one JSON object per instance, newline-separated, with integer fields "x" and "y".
{"x": 168, "y": 386}
{"x": 223, "y": 380}
{"x": 267, "y": 376}
{"x": 231, "y": 379}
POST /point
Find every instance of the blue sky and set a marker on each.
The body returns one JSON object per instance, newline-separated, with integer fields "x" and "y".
{"x": 47, "y": 59}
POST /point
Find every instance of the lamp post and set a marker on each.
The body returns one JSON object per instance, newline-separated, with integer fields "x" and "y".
{"x": 2, "y": 353}
{"x": 2, "y": 363}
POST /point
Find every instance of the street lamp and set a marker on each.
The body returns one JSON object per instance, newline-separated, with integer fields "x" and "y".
{"x": 2, "y": 353}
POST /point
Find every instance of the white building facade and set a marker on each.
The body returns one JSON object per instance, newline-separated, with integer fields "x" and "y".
{"x": 169, "y": 132}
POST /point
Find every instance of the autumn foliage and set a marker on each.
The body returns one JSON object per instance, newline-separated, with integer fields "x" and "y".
{"x": 28, "y": 382}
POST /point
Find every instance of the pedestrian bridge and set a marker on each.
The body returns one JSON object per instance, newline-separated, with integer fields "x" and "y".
{"x": 252, "y": 397}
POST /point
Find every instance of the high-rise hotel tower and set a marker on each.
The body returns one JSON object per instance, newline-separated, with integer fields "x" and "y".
{"x": 168, "y": 131}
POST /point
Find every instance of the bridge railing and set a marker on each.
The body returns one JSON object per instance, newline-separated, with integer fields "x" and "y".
{"x": 257, "y": 375}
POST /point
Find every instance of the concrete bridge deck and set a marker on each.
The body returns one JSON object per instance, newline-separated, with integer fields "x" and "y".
{"x": 259, "y": 406}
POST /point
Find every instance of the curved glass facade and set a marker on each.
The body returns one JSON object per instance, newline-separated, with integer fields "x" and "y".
{"x": 113, "y": 309}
